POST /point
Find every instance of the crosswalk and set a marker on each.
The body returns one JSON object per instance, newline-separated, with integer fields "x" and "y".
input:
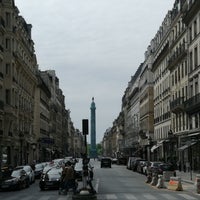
{"x": 148, "y": 196}
{"x": 118, "y": 196}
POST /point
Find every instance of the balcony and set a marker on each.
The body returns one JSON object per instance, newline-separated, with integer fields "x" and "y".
{"x": 192, "y": 105}
{"x": 177, "y": 105}
{"x": 190, "y": 11}
{"x": 177, "y": 56}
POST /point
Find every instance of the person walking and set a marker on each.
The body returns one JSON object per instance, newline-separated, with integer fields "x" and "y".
{"x": 69, "y": 178}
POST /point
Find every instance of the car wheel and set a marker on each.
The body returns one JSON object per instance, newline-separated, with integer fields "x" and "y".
{"x": 27, "y": 183}
{"x": 42, "y": 188}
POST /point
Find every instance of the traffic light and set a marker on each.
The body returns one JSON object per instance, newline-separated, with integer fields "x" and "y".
{"x": 85, "y": 126}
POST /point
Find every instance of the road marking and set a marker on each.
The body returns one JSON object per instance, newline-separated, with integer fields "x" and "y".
{"x": 97, "y": 185}
{"x": 27, "y": 198}
{"x": 149, "y": 196}
{"x": 45, "y": 198}
{"x": 187, "y": 196}
{"x": 168, "y": 196}
{"x": 111, "y": 196}
{"x": 130, "y": 196}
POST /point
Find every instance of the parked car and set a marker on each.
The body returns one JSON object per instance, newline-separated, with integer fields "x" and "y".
{"x": 165, "y": 167}
{"x": 51, "y": 179}
{"x": 106, "y": 162}
{"x": 141, "y": 165}
{"x": 16, "y": 181}
{"x": 38, "y": 170}
{"x": 28, "y": 169}
{"x": 130, "y": 162}
{"x": 152, "y": 167}
{"x": 136, "y": 162}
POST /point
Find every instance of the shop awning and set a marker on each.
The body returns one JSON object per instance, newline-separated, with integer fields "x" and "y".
{"x": 186, "y": 146}
{"x": 155, "y": 146}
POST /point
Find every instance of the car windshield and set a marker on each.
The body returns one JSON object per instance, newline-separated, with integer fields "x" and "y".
{"x": 39, "y": 166}
{"x": 55, "y": 171}
{"x": 166, "y": 167}
{"x": 16, "y": 173}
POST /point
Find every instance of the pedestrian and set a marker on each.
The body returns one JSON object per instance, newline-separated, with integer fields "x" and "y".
{"x": 90, "y": 178}
{"x": 69, "y": 178}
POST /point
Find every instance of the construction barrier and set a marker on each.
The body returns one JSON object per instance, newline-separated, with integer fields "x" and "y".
{"x": 167, "y": 175}
{"x": 154, "y": 179}
{"x": 175, "y": 184}
{"x": 160, "y": 183}
{"x": 149, "y": 178}
{"x": 197, "y": 183}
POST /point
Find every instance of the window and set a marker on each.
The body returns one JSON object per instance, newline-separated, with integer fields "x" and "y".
{"x": 7, "y": 68}
{"x": 186, "y": 71}
{"x": 8, "y": 44}
{"x": 8, "y": 19}
{"x": 191, "y": 62}
{"x": 195, "y": 28}
{"x": 8, "y": 97}
{"x": 195, "y": 57}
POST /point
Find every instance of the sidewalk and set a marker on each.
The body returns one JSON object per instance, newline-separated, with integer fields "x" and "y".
{"x": 188, "y": 177}
{"x": 188, "y": 181}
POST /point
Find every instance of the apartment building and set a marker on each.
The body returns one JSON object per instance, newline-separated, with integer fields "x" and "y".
{"x": 18, "y": 80}
{"x": 146, "y": 105}
{"x": 189, "y": 143}
{"x": 34, "y": 124}
{"x": 130, "y": 109}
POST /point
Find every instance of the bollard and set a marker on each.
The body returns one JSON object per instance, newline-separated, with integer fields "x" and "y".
{"x": 154, "y": 179}
{"x": 149, "y": 178}
{"x": 161, "y": 183}
{"x": 197, "y": 183}
{"x": 175, "y": 184}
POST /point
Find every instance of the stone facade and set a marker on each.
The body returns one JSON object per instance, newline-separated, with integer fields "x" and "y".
{"x": 34, "y": 124}
{"x": 168, "y": 105}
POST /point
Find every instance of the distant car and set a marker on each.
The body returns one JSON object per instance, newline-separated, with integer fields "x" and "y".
{"x": 38, "y": 170}
{"x": 136, "y": 162}
{"x": 78, "y": 169}
{"x": 106, "y": 162}
{"x": 114, "y": 160}
{"x": 51, "y": 179}
{"x": 16, "y": 181}
{"x": 141, "y": 165}
{"x": 28, "y": 169}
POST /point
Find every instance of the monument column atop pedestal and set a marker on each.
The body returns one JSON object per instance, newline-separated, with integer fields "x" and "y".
{"x": 93, "y": 149}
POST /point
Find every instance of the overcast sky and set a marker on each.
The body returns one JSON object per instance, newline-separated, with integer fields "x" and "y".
{"x": 95, "y": 46}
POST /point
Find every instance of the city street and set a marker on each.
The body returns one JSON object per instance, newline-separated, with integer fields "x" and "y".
{"x": 110, "y": 183}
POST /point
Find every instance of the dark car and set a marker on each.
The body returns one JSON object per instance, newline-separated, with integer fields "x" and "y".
{"x": 51, "y": 179}
{"x": 16, "y": 181}
{"x": 38, "y": 170}
{"x": 106, "y": 162}
{"x": 165, "y": 167}
{"x": 153, "y": 167}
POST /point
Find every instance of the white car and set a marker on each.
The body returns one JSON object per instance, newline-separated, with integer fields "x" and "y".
{"x": 30, "y": 172}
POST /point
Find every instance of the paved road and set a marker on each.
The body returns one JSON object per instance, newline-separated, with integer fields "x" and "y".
{"x": 116, "y": 183}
